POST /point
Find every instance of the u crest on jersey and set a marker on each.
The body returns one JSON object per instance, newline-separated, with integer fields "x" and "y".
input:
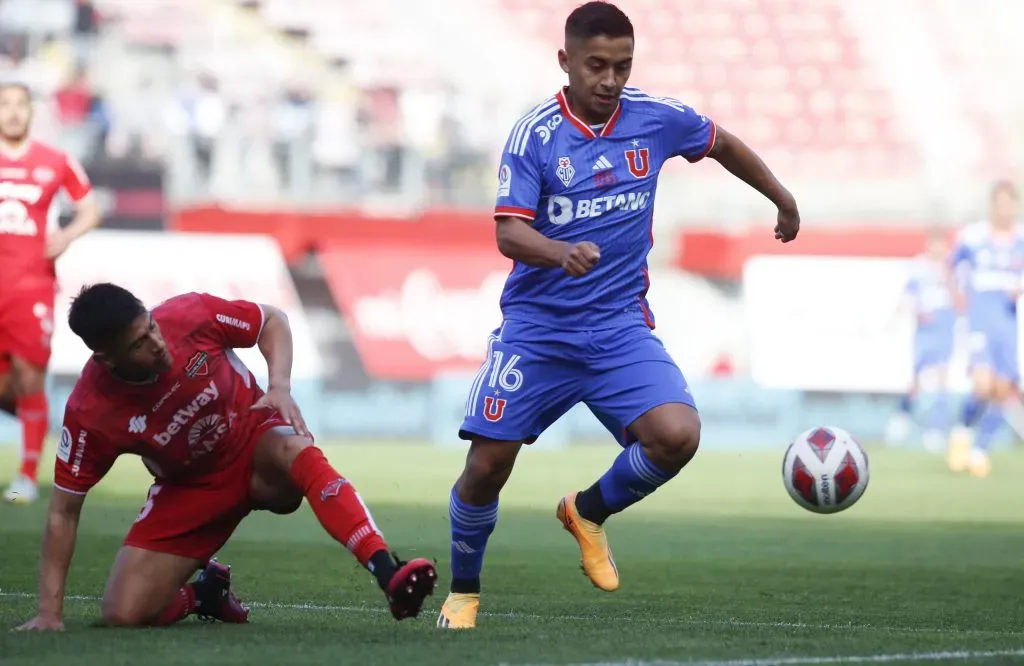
{"x": 639, "y": 162}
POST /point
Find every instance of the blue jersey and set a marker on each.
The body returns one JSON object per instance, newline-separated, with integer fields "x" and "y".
{"x": 935, "y": 333}
{"x": 928, "y": 288}
{"x": 577, "y": 183}
{"x": 990, "y": 269}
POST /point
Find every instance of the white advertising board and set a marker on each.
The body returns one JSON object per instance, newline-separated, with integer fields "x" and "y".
{"x": 158, "y": 265}
{"x": 833, "y": 324}
{"x": 695, "y": 321}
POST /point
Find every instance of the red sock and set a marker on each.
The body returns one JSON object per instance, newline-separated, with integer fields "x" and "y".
{"x": 181, "y": 607}
{"x": 336, "y": 504}
{"x": 32, "y": 412}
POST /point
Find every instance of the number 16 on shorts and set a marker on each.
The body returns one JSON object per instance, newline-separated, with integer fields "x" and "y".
{"x": 498, "y": 376}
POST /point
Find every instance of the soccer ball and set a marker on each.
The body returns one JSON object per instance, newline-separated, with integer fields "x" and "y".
{"x": 825, "y": 470}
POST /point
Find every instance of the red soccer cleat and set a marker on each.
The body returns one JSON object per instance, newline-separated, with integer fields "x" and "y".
{"x": 214, "y": 598}
{"x": 410, "y": 586}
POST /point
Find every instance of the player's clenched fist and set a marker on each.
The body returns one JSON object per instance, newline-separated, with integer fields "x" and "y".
{"x": 580, "y": 258}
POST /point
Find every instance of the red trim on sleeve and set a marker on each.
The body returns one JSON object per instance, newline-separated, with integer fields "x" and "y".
{"x": 711, "y": 144}
{"x": 512, "y": 211}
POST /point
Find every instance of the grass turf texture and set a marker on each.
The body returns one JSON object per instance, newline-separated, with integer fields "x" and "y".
{"x": 718, "y": 565}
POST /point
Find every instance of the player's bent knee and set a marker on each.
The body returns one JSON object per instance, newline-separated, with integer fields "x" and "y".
{"x": 121, "y": 614}
{"x": 674, "y": 442}
{"x": 1001, "y": 390}
{"x": 30, "y": 379}
{"x": 488, "y": 466}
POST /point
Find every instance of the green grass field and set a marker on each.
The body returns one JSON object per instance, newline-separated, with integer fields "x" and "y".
{"x": 719, "y": 568}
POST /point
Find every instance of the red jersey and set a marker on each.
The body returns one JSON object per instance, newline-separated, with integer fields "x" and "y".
{"x": 28, "y": 184}
{"x": 190, "y": 421}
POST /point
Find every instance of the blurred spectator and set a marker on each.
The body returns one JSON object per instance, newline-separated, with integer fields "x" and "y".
{"x": 337, "y": 145}
{"x": 74, "y": 100}
{"x": 86, "y": 26}
{"x": 293, "y": 120}
{"x": 87, "y": 19}
{"x": 385, "y": 135}
{"x": 199, "y": 113}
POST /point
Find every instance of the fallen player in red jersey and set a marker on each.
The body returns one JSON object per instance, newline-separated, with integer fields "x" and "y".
{"x": 167, "y": 386}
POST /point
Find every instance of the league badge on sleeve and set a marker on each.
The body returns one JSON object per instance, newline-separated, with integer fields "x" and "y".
{"x": 504, "y": 181}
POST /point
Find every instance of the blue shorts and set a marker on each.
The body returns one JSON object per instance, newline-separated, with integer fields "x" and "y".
{"x": 533, "y": 375}
{"x": 995, "y": 348}
{"x": 932, "y": 351}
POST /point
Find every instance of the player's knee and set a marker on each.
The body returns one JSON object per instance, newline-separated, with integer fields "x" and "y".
{"x": 675, "y": 443}
{"x": 121, "y": 614}
{"x": 29, "y": 379}
{"x": 1001, "y": 390}
{"x": 488, "y": 467}
{"x": 983, "y": 390}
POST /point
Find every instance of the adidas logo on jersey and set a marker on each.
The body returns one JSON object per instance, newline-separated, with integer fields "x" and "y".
{"x": 602, "y": 164}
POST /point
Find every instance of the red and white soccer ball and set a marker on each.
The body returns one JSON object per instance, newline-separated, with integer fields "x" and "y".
{"x": 825, "y": 470}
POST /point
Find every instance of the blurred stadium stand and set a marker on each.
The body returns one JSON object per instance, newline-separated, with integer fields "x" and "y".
{"x": 874, "y": 110}
{"x": 319, "y": 121}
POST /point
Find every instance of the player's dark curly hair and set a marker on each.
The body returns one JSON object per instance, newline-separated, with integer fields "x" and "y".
{"x": 101, "y": 312}
{"x": 594, "y": 19}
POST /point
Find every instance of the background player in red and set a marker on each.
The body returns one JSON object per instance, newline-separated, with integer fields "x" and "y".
{"x": 167, "y": 386}
{"x": 31, "y": 175}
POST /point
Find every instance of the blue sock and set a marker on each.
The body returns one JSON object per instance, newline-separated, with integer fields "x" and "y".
{"x": 988, "y": 427}
{"x": 905, "y": 404}
{"x": 973, "y": 409}
{"x": 631, "y": 478}
{"x": 471, "y": 527}
{"x": 938, "y": 412}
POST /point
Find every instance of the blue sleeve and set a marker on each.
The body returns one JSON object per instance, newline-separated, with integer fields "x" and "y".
{"x": 689, "y": 133}
{"x": 961, "y": 261}
{"x": 519, "y": 177}
{"x": 961, "y": 257}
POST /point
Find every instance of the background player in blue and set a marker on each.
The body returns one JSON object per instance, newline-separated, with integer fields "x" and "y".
{"x": 989, "y": 260}
{"x": 575, "y": 197}
{"x": 930, "y": 293}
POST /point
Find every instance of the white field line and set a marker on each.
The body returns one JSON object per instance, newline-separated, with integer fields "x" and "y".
{"x": 668, "y": 621}
{"x": 963, "y": 655}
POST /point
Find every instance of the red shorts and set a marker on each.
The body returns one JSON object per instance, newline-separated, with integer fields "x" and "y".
{"x": 195, "y": 519}
{"x": 26, "y": 325}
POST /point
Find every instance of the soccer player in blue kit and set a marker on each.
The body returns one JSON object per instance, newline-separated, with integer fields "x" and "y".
{"x": 576, "y": 189}
{"x": 989, "y": 261}
{"x": 930, "y": 292}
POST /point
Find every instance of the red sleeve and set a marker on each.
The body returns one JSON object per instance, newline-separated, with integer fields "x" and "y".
{"x": 75, "y": 181}
{"x": 82, "y": 458}
{"x": 236, "y": 323}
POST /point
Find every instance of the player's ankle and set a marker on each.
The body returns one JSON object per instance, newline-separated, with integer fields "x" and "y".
{"x": 591, "y": 506}
{"x": 383, "y": 568}
{"x": 465, "y": 585}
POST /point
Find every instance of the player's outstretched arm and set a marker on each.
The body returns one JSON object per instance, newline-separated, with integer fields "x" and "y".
{"x": 520, "y": 242}
{"x": 275, "y": 343}
{"x": 58, "y": 548}
{"x": 742, "y": 162}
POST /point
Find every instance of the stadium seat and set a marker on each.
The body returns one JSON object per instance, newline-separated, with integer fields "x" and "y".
{"x": 787, "y": 75}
